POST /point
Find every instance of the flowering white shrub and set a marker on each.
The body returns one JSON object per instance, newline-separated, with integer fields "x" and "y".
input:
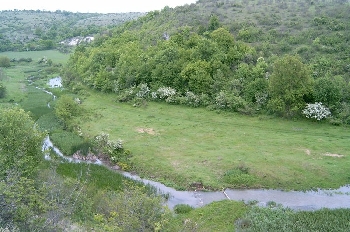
{"x": 166, "y": 92}
{"x": 109, "y": 147}
{"x": 221, "y": 100}
{"x": 192, "y": 99}
{"x": 154, "y": 95}
{"x": 316, "y": 111}
{"x": 143, "y": 91}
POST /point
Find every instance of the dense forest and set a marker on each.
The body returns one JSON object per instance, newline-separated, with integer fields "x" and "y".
{"x": 252, "y": 57}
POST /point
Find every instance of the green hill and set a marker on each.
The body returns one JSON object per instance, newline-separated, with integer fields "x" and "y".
{"x": 258, "y": 56}
{"x": 40, "y": 30}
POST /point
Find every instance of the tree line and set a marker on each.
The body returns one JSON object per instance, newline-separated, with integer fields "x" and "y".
{"x": 211, "y": 69}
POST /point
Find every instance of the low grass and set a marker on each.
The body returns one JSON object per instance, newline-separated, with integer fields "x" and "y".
{"x": 15, "y": 78}
{"x": 179, "y": 146}
{"x": 55, "y": 56}
{"x": 217, "y": 216}
{"x": 283, "y": 219}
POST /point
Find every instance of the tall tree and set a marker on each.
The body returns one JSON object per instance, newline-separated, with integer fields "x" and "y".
{"x": 289, "y": 87}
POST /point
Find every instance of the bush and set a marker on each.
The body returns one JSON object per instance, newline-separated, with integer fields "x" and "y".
{"x": 166, "y": 93}
{"x": 5, "y": 62}
{"x": 224, "y": 100}
{"x": 316, "y": 111}
{"x": 2, "y": 91}
{"x": 239, "y": 177}
{"x": 182, "y": 208}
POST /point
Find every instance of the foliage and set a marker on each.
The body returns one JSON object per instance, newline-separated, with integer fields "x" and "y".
{"x": 20, "y": 143}
{"x": 66, "y": 109}
{"x": 289, "y": 86}
{"x": 133, "y": 209}
{"x": 182, "y": 208}
{"x": 229, "y": 101}
{"x": 329, "y": 91}
{"x": 29, "y": 30}
{"x": 4, "y": 62}
{"x": 2, "y": 90}
{"x": 316, "y": 111}
{"x": 21, "y": 203}
{"x": 113, "y": 149}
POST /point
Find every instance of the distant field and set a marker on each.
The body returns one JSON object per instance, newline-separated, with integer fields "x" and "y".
{"x": 55, "y": 56}
{"x": 181, "y": 146}
{"x": 15, "y": 77}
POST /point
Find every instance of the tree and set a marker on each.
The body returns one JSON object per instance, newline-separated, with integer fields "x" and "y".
{"x": 213, "y": 23}
{"x": 329, "y": 91}
{"x": 66, "y": 108}
{"x": 290, "y": 84}
{"x": 197, "y": 75}
{"x": 20, "y": 143}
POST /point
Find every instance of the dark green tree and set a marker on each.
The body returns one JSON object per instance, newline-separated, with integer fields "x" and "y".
{"x": 289, "y": 85}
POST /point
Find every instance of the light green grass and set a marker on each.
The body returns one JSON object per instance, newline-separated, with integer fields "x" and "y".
{"x": 15, "y": 77}
{"x": 217, "y": 216}
{"x": 187, "y": 145}
{"x": 55, "y": 56}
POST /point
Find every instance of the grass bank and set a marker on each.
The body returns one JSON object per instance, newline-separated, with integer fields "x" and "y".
{"x": 180, "y": 146}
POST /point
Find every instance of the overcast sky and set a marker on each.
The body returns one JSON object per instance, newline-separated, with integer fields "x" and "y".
{"x": 92, "y": 6}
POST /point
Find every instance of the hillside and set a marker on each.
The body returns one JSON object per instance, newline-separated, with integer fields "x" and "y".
{"x": 40, "y": 30}
{"x": 258, "y": 57}
{"x": 317, "y": 30}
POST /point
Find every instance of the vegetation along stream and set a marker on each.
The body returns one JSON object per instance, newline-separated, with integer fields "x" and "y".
{"x": 298, "y": 200}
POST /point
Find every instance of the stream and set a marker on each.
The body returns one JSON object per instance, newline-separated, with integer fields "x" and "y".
{"x": 297, "y": 200}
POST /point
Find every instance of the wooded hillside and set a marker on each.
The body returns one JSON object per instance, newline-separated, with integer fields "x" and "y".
{"x": 231, "y": 55}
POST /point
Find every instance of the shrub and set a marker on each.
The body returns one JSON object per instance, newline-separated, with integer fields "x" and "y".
{"x": 2, "y": 91}
{"x": 224, "y": 100}
{"x": 5, "y": 62}
{"x": 316, "y": 111}
{"x": 239, "y": 177}
{"x": 166, "y": 93}
{"x": 182, "y": 208}
{"x": 143, "y": 91}
{"x": 113, "y": 149}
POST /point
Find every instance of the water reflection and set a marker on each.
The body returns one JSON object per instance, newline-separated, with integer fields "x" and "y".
{"x": 55, "y": 82}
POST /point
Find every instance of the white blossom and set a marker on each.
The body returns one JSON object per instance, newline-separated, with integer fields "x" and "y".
{"x": 316, "y": 111}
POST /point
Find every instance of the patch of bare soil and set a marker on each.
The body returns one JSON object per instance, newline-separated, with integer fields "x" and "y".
{"x": 149, "y": 131}
{"x": 333, "y": 155}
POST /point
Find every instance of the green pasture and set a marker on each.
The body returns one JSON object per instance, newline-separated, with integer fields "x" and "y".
{"x": 15, "y": 78}
{"x": 180, "y": 146}
{"x": 55, "y": 56}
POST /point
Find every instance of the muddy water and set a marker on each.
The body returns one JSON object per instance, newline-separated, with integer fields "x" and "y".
{"x": 310, "y": 200}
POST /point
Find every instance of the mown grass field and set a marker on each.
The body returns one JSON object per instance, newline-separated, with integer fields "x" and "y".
{"x": 179, "y": 146}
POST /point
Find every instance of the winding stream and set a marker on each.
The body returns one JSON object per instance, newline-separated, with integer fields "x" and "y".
{"x": 309, "y": 200}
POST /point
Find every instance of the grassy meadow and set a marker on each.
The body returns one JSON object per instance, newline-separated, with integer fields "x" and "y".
{"x": 180, "y": 146}
{"x": 15, "y": 78}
